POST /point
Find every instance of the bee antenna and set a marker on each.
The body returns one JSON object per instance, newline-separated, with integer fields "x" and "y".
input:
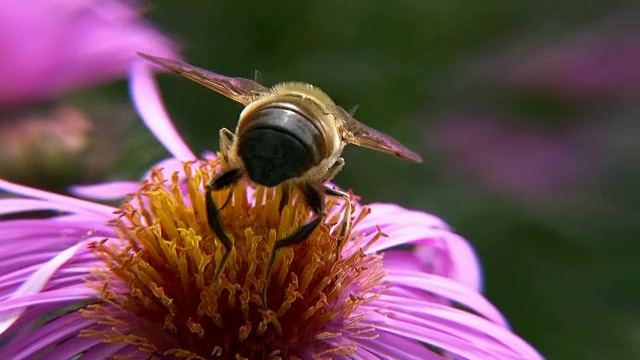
{"x": 257, "y": 76}
{"x": 353, "y": 109}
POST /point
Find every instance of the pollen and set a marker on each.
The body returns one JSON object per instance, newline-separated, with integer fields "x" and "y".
{"x": 159, "y": 296}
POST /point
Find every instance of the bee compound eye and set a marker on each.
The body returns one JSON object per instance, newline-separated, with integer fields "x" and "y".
{"x": 279, "y": 144}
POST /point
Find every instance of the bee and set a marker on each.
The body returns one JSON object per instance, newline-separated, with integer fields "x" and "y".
{"x": 290, "y": 135}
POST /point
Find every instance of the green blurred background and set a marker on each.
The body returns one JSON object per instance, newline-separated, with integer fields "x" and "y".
{"x": 526, "y": 114}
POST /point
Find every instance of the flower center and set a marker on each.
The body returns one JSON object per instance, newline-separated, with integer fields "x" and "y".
{"x": 158, "y": 287}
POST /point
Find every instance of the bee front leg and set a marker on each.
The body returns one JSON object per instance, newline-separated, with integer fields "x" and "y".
{"x": 314, "y": 197}
{"x": 226, "y": 142}
{"x": 346, "y": 220}
{"x": 222, "y": 181}
{"x": 334, "y": 169}
{"x": 286, "y": 193}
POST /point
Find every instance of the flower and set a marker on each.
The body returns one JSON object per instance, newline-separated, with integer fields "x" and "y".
{"x": 54, "y": 46}
{"x": 137, "y": 281}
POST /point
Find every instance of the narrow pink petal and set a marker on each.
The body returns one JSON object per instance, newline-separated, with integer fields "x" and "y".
{"x": 209, "y": 155}
{"x": 16, "y": 205}
{"x": 46, "y": 335}
{"x": 408, "y": 234}
{"x": 449, "y": 289}
{"x": 67, "y": 295}
{"x": 461, "y": 261}
{"x": 103, "y": 351}
{"x": 21, "y": 265}
{"x": 146, "y": 98}
{"x": 33, "y": 285}
{"x": 385, "y": 213}
{"x": 390, "y": 346}
{"x": 461, "y": 323}
{"x": 405, "y": 260}
{"x": 80, "y": 205}
{"x": 113, "y": 190}
{"x": 424, "y": 334}
{"x": 464, "y": 263}
{"x": 365, "y": 354}
{"x": 25, "y": 259}
{"x": 73, "y": 347}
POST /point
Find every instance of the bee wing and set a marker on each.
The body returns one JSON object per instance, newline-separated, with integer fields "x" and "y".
{"x": 360, "y": 134}
{"x": 241, "y": 90}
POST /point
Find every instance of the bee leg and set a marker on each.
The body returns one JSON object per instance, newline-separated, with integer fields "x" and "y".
{"x": 314, "y": 197}
{"x": 284, "y": 200}
{"x": 334, "y": 169}
{"x": 226, "y": 141}
{"x": 222, "y": 181}
{"x": 346, "y": 220}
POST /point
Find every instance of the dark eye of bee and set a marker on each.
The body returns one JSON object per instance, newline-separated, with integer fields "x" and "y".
{"x": 278, "y": 144}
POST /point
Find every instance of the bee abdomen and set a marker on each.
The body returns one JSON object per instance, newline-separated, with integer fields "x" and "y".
{"x": 278, "y": 144}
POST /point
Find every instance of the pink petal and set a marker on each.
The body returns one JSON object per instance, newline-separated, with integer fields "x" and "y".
{"x": 385, "y": 213}
{"x": 75, "y": 346}
{"x": 419, "y": 332}
{"x": 79, "y": 205}
{"x": 113, "y": 190}
{"x": 364, "y": 353}
{"x": 146, "y": 98}
{"x": 462, "y": 263}
{"x": 102, "y": 351}
{"x": 408, "y": 234}
{"x": 73, "y": 294}
{"x": 390, "y": 346}
{"x": 44, "y": 336}
{"x": 34, "y": 285}
{"x": 446, "y": 288}
{"x": 457, "y": 322}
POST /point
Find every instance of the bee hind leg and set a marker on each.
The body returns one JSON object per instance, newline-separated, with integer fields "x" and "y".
{"x": 222, "y": 181}
{"x": 314, "y": 197}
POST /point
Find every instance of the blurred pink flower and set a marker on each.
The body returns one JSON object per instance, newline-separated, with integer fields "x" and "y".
{"x": 146, "y": 267}
{"x": 602, "y": 61}
{"x": 49, "y": 47}
{"x": 526, "y": 163}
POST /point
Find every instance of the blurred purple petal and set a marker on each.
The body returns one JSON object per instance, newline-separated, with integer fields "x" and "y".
{"x": 602, "y": 61}
{"x": 55, "y": 46}
{"x": 528, "y": 163}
